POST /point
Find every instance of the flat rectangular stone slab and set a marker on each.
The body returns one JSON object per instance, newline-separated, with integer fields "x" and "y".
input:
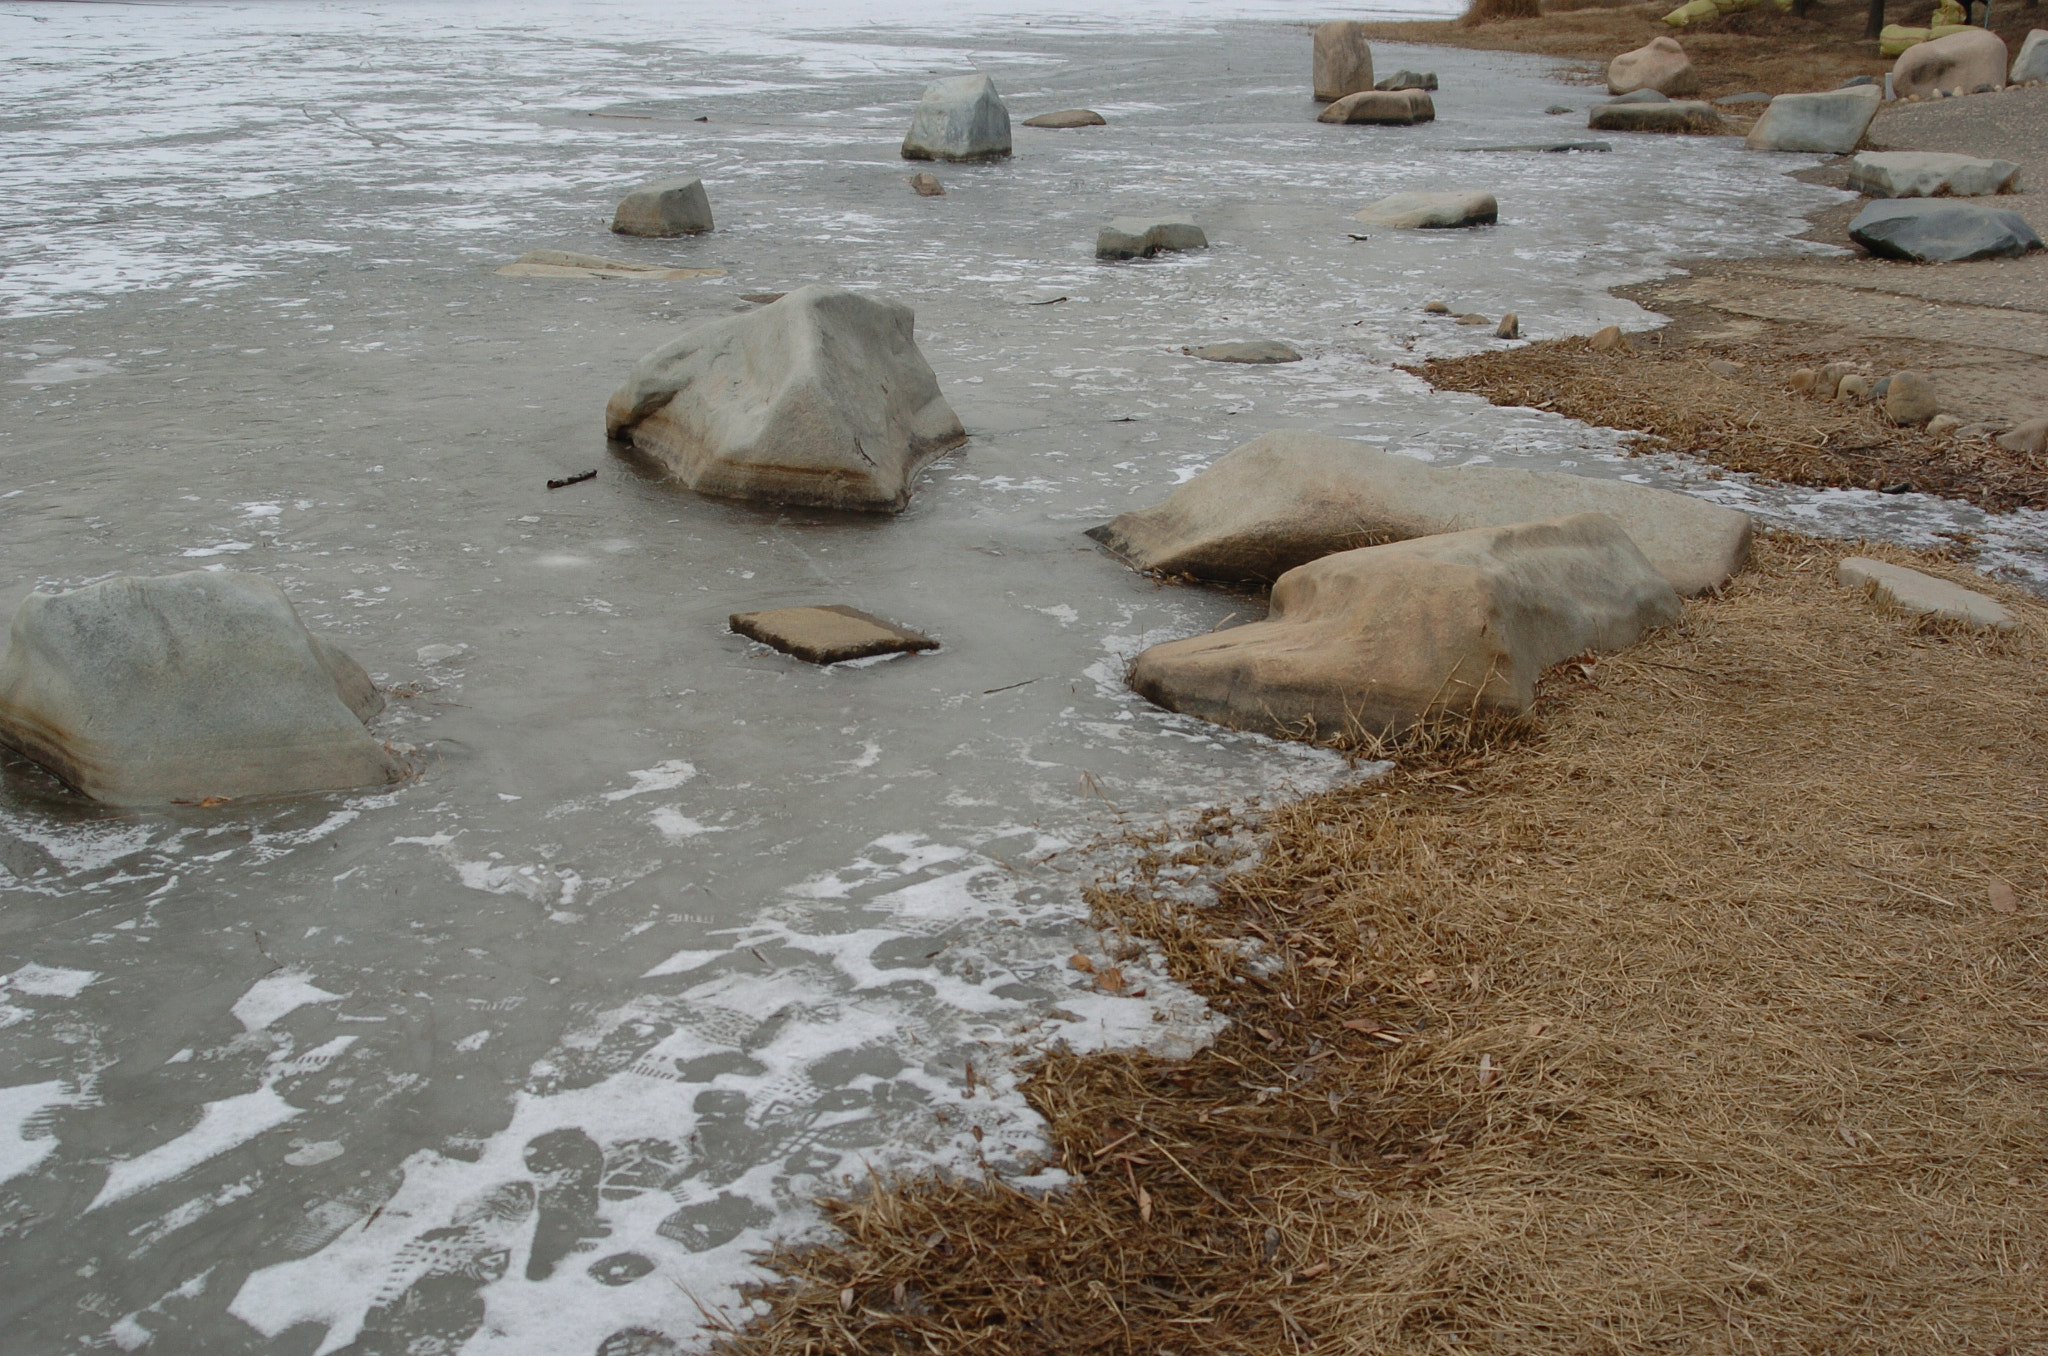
{"x": 828, "y": 635}
{"x": 1922, "y": 595}
{"x": 563, "y": 264}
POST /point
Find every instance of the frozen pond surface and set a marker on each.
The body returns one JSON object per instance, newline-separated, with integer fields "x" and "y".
{"x": 673, "y": 932}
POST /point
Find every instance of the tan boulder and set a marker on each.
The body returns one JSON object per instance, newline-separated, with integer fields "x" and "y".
{"x": 1342, "y": 59}
{"x": 1292, "y": 496}
{"x": 1377, "y": 640}
{"x": 186, "y": 688}
{"x": 1387, "y": 108}
{"x": 1660, "y": 64}
{"x": 820, "y": 398}
{"x": 1963, "y": 60}
{"x": 1921, "y": 595}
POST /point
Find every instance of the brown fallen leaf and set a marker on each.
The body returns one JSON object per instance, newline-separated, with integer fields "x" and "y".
{"x": 1111, "y": 980}
{"x": 1081, "y": 963}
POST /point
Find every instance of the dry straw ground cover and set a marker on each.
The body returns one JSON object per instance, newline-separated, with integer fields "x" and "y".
{"x": 1711, "y": 1015}
{"x": 1752, "y": 421}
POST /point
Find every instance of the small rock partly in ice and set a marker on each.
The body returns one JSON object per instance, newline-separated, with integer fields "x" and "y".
{"x": 564, "y": 264}
{"x": 1431, "y": 211}
{"x": 665, "y": 207}
{"x": 1510, "y": 327}
{"x": 1143, "y": 237}
{"x": 1256, "y": 351}
{"x": 828, "y": 635}
{"x": 927, "y": 185}
{"x": 1068, "y": 117}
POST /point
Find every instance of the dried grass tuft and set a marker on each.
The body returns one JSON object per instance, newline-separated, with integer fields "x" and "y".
{"x": 1709, "y": 1019}
{"x": 1494, "y": 11}
{"x": 1753, "y": 422}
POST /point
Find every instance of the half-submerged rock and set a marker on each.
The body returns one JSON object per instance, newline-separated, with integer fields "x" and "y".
{"x": 186, "y": 687}
{"x": 959, "y": 119}
{"x": 1431, "y": 211}
{"x": 1387, "y": 108}
{"x": 1406, "y": 79}
{"x": 1378, "y": 640}
{"x": 566, "y": 264}
{"x": 1828, "y": 123}
{"x": 1930, "y": 174}
{"x": 829, "y": 634}
{"x": 1665, "y": 115}
{"x": 1253, "y": 351}
{"x": 665, "y": 207}
{"x": 820, "y": 398}
{"x": 1068, "y": 117}
{"x": 1941, "y": 230}
{"x": 1292, "y": 496}
{"x": 1342, "y": 59}
{"x": 1143, "y": 237}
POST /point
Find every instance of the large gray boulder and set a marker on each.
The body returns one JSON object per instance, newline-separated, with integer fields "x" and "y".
{"x": 1667, "y": 115}
{"x": 1431, "y": 211}
{"x": 1829, "y": 123}
{"x": 1964, "y": 61}
{"x": 1292, "y": 496}
{"x": 2032, "y": 62}
{"x": 1941, "y": 230}
{"x": 820, "y": 398}
{"x": 665, "y": 207}
{"x": 1342, "y": 59}
{"x": 1398, "y": 108}
{"x": 1377, "y": 640}
{"x": 1143, "y": 237}
{"x": 1660, "y": 64}
{"x": 959, "y": 119}
{"x": 1930, "y": 174}
{"x": 188, "y": 687}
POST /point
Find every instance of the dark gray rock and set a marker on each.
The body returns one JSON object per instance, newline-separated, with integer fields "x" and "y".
{"x": 665, "y": 207}
{"x": 1937, "y": 230}
{"x": 1668, "y": 116}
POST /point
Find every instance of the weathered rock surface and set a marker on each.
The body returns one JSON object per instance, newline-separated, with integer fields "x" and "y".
{"x": 1143, "y": 237}
{"x": 1292, "y": 496}
{"x": 186, "y": 687}
{"x": 1068, "y": 117}
{"x": 1930, "y": 174}
{"x": 959, "y": 119}
{"x": 821, "y": 398}
{"x": 663, "y": 208}
{"x": 564, "y": 264}
{"x": 2032, "y": 62}
{"x": 1254, "y": 351}
{"x": 1832, "y": 122}
{"x": 1941, "y": 230}
{"x": 1376, "y": 640}
{"x": 1921, "y": 595}
{"x": 1405, "y": 79}
{"x": 1970, "y": 58}
{"x": 926, "y": 185}
{"x": 830, "y": 634}
{"x": 1431, "y": 211}
{"x": 1386, "y": 108}
{"x": 1670, "y": 116}
{"x": 1510, "y": 327}
{"x": 2030, "y": 438}
{"x": 1909, "y": 398}
{"x": 1660, "y": 64}
{"x": 1342, "y": 59}
{"x": 1608, "y": 339}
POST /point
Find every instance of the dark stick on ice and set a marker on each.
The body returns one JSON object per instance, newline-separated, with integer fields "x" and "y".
{"x": 572, "y": 480}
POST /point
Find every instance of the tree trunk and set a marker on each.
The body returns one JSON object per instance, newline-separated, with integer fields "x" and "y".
{"x": 1875, "y": 24}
